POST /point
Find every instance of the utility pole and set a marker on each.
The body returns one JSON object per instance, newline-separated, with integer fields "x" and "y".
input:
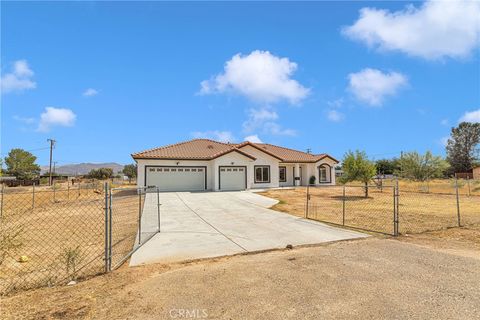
{"x": 52, "y": 144}
{"x": 309, "y": 150}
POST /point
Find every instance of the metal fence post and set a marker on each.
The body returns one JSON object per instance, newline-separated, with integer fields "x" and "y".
{"x": 396, "y": 206}
{"x": 308, "y": 199}
{"x": 458, "y": 201}
{"x": 139, "y": 216}
{"x": 68, "y": 190}
{"x": 158, "y": 208}
{"x": 1, "y": 201}
{"x": 394, "y": 211}
{"x": 106, "y": 227}
{"x": 343, "y": 206}
{"x": 33, "y": 196}
{"x": 110, "y": 222}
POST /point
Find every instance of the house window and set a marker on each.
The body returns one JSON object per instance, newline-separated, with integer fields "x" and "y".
{"x": 151, "y": 169}
{"x": 282, "y": 174}
{"x": 159, "y": 170}
{"x": 262, "y": 174}
{"x": 322, "y": 174}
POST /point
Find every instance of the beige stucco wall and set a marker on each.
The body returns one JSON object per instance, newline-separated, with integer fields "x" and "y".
{"x": 231, "y": 159}
{"x": 263, "y": 159}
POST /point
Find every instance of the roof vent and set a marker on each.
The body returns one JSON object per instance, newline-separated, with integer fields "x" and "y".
{"x": 210, "y": 146}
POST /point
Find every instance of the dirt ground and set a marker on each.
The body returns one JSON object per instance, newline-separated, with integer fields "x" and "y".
{"x": 425, "y": 276}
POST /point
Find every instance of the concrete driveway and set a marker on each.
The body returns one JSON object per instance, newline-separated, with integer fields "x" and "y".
{"x": 211, "y": 224}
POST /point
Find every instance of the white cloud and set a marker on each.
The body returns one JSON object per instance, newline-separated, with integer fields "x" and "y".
{"x": 275, "y": 129}
{"x": 471, "y": 116}
{"x": 265, "y": 119}
{"x": 56, "y": 117}
{"x": 19, "y": 79}
{"x": 90, "y": 92}
{"x": 335, "y": 116}
{"x": 223, "y": 136}
{"x": 26, "y": 120}
{"x": 258, "y": 117}
{"x": 373, "y": 86}
{"x": 336, "y": 103}
{"x": 253, "y": 138}
{"x": 444, "y": 122}
{"x": 260, "y": 76}
{"x": 435, "y": 30}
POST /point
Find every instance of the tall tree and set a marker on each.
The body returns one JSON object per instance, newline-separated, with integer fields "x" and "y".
{"x": 420, "y": 167}
{"x": 130, "y": 170}
{"x": 462, "y": 152}
{"x": 100, "y": 173}
{"x": 21, "y": 164}
{"x": 387, "y": 166}
{"x": 357, "y": 167}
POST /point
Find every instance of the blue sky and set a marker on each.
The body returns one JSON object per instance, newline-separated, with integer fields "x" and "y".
{"x": 108, "y": 79}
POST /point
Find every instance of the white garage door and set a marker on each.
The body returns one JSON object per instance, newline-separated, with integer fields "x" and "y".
{"x": 176, "y": 178}
{"x": 232, "y": 178}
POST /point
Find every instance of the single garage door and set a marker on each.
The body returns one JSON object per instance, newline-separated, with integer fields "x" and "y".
{"x": 232, "y": 178}
{"x": 177, "y": 178}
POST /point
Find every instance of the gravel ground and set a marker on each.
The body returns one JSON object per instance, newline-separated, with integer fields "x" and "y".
{"x": 375, "y": 278}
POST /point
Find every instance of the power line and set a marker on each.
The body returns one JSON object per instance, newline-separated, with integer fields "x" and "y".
{"x": 38, "y": 149}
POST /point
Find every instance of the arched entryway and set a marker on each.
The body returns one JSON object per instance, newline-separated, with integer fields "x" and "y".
{"x": 324, "y": 173}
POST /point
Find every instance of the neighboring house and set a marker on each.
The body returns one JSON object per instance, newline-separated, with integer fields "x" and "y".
{"x": 476, "y": 173}
{"x": 203, "y": 164}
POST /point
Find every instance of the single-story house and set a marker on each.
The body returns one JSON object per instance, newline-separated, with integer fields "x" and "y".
{"x": 203, "y": 164}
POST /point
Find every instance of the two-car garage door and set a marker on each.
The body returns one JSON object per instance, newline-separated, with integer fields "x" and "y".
{"x": 194, "y": 178}
{"x": 177, "y": 178}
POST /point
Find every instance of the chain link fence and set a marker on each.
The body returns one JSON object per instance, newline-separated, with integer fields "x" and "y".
{"x": 51, "y": 235}
{"x": 350, "y": 206}
{"x": 398, "y": 208}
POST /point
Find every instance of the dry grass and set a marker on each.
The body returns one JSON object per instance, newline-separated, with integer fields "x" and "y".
{"x": 418, "y": 212}
{"x": 61, "y": 235}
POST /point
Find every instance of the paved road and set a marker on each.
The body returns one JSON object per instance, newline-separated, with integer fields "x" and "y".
{"x": 211, "y": 224}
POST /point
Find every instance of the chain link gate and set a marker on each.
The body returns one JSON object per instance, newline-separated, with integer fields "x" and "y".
{"x": 132, "y": 217}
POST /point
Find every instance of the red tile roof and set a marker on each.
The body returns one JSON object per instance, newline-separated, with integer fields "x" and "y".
{"x": 205, "y": 149}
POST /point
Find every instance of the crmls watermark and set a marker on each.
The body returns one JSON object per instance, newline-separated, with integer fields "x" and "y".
{"x": 188, "y": 313}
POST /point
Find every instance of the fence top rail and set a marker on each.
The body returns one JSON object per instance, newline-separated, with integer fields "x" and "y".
{"x": 139, "y": 189}
{"x": 351, "y": 186}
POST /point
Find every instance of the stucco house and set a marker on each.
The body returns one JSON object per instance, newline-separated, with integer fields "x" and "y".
{"x": 203, "y": 164}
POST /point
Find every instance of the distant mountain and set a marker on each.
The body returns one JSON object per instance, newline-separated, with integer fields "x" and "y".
{"x": 83, "y": 168}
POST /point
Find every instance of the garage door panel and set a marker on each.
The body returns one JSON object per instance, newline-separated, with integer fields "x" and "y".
{"x": 177, "y": 178}
{"x": 232, "y": 178}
